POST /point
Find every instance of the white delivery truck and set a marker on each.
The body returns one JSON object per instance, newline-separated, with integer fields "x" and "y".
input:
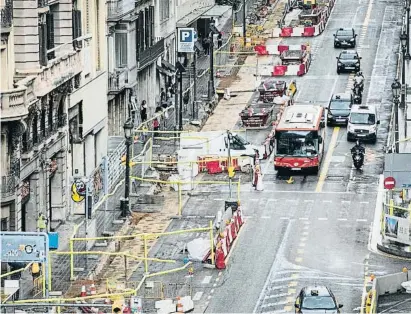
{"x": 214, "y": 144}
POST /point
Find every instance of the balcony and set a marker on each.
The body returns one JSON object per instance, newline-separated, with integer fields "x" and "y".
{"x": 6, "y": 17}
{"x": 118, "y": 9}
{"x": 117, "y": 80}
{"x": 14, "y": 103}
{"x": 62, "y": 121}
{"x": 8, "y": 188}
{"x": 57, "y": 72}
{"x": 42, "y": 3}
{"x": 150, "y": 55}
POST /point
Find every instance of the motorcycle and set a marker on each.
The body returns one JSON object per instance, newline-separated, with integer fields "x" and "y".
{"x": 357, "y": 153}
{"x": 359, "y": 83}
{"x": 357, "y": 95}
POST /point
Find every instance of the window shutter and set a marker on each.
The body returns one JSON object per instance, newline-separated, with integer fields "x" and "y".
{"x": 42, "y": 45}
{"x": 152, "y": 25}
{"x": 50, "y": 35}
{"x": 78, "y": 27}
{"x": 147, "y": 28}
{"x": 137, "y": 40}
{"x": 141, "y": 30}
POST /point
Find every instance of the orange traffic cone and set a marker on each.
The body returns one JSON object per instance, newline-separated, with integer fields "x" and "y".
{"x": 93, "y": 290}
{"x": 83, "y": 291}
{"x": 180, "y": 308}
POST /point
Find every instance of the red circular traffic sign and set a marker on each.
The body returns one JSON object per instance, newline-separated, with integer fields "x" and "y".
{"x": 389, "y": 183}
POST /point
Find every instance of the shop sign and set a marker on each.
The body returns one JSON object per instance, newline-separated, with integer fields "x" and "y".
{"x": 397, "y": 229}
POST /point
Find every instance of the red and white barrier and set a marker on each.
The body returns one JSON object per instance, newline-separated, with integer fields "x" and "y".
{"x": 225, "y": 240}
{"x": 301, "y": 31}
{"x": 280, "y": 69}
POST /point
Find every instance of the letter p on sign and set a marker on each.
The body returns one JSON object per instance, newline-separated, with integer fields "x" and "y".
{"x": 186, "y": 35}
{"x": 186, "y": 39}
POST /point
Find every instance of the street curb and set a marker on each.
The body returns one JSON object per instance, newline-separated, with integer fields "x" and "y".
{"x": 393, "y": 252}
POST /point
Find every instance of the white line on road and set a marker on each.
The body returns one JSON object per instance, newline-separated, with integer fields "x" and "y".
{"x": 218, "y": 199}
{"x": 210, "y": 216}
{"x": 274, "y": 304}
{"x": 327, "y": 201}
{"x": 265, "y": 217}
{"x": 209, "y": 297}
{"x": 190, "y": 216}
{"x": 361, "y": 220}
{"x": 254, "y": 199}
{"x": 303, "y": 218}
{"x": 200, "y": 199}
{"x": 277, "y": 288}
{"x": 206, "y": 280}
{"x": 212, "y": 291}
{"x": 322, "y": 218}
{"x": 284, "y": 218}
{"x": 248, "y": 217}
{"x": 308, "y": 201}
{"x": 342, "y": 219}
{"x": 280, "y": 295}
{"x": 364, "y": 202}
{"x": 346, "y": 202}
{"x": 198, "y": 296}
{"x": 272, "y": 200}
{"x": 214, "y": 285}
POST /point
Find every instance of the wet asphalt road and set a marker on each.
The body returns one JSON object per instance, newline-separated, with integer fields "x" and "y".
{"x": 317, "y": 231}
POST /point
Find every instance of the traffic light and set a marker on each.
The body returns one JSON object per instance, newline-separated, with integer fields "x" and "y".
{"x": 231, "y": 172}
{"x": 117, "y": 306}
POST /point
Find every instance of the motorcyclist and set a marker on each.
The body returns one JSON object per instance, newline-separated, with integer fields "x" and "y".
{"x": 358, "y": 147}
{"x": 359, "y": 80}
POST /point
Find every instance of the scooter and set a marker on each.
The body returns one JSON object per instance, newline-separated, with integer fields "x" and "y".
{"x": 357, "y": 153}
{"x": 357, "y": 95}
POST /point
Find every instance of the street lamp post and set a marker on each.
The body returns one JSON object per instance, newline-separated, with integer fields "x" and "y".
{"x": 407, "y": 7}
{"x": 244, "y": 24}
{"x": 213, "y": 31}
{"x": 396, "y": 90}
{"x": 403, "y": 39}
{"x": 124, "y": 204}
{"x": 180, "y": 70}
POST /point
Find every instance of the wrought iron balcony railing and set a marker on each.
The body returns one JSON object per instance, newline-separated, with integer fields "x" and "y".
{"x": 6, "y": 16}
{"x": 8, "y": 185}
{"x": 150, "y": 54}
{"x": 117, "y": 81}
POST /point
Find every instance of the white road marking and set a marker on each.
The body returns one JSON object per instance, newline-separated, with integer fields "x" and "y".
{"x": 206, "y": 280}
{"x": 303, "y": 218}
{"x": 273, "y": 304}
{"x": 327, "y": 201}
{"x": 214, "y": 285}
{"x": 308, "y": 201}
{"x": 346, "y": 202}
{"x": 218, "y": 199}
{"x": 364, "y": 202}
{"x": 272, "y": 200}
{"x": 342, "y": 219}
{"x": 212, "y": 291}
{"x": 284, "y": 218}
{"x": 361, "y": 220}
{"x": 277, "y": 288}
{"x": 280, "y": 295}
{"x": 322, "y": 218}
{"x": 265, "y": 217}
{"x": 248, "y": 217}
{"x": 209, "y": 216}
{"x": 198, "y": 296}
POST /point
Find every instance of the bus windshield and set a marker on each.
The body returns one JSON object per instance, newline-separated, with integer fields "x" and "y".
{"x": 297, "y": 143}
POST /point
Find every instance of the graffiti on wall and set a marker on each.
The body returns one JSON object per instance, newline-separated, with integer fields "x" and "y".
{"x": 98, "y": 184}
{"x": 78, "y": 190}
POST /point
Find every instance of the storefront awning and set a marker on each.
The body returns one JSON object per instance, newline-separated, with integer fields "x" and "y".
{"x": 168, "y": 65}
{"x": 164, "y": 71}
{"x": 216, "y": 11}
{"x": 193, "y": 16}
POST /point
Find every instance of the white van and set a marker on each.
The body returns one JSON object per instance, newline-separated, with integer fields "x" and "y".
{"x": 363, "y": 123}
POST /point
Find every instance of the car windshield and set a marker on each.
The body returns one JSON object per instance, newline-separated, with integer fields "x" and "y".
{"x": 342, "y": 104}
{"x": 347, "y": 56}
{"x": 297, "y": 143}
{"x": 318, "y": 303}
{"x": 344, "y": 33}
{"x": 362, "y": 118}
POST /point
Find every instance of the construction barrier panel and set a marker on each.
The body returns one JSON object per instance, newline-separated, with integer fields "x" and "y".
{"x": 285, "y": 69}
{"x": 226, "y": 238}
{"x": 305, "y": 31}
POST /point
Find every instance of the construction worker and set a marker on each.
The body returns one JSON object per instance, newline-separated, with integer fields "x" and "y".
{"x": 42, "y": 223}
{"x": 35, "y": 270}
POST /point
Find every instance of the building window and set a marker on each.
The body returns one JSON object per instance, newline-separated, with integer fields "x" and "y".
{"x": 50, "y": 114}
{"x": 4, "y": 224}
{"x": 76, "y": 27}
{"x": 46, "y": 37}
{"x": 34, "y": 130}
{"x": 43, "y": 128}
{"x": 147, "y": 29}
{"x": 121, "y": 49}
{"x": 76, "y": 123}
{"x": 164, "y": 10}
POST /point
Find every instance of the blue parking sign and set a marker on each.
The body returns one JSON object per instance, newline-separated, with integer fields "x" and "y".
{"x": 186, "y": 39}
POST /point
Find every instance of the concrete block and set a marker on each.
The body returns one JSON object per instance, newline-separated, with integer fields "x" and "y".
{"x": 101, "y": 244}
{"x": 165, "y": 306}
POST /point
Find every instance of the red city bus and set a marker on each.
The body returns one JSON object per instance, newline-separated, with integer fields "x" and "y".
{"x": 299, "y": 138}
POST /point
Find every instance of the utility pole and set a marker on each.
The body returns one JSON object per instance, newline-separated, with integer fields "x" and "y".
{"x": 244, "y": 25}
{"x": 211, "y": 80}
{"x": 230, "y": 180}
{"x": 180, "y": 109}
{"x": 195, "y": 84}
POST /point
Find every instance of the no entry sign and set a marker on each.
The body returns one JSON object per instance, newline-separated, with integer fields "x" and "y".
{"x": 389, "y": 183}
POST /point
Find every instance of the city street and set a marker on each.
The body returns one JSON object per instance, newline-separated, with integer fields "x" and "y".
{"x": 316, "y": 231}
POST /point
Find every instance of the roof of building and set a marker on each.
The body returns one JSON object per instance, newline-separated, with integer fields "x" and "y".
{"x": 303, "y": 117}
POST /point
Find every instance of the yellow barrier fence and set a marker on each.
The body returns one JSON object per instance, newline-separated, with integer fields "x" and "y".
{"x": 179, "y": 189}
{"x": 144, "y": 237}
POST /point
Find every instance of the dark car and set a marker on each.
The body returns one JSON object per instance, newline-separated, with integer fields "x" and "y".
{"x": 339, "y": 109}
{"x": 316, "y": 299}
{"x": 345, "y": 37}
{"x": 348, "y": 61}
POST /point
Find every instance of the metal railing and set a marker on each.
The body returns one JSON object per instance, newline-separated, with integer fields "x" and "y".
{"x": 117, "y": 80}
{"x": 62, "y": 120}
{"x": 42, "y": 3}
{"x": 117, "y": 9}
{"x": 8, "y": 185}
{"x": 150, "y": 54}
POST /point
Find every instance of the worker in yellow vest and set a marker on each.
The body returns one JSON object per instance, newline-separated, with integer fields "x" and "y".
{"x": 42, "y": 223}
{"x": 35, "y": 270}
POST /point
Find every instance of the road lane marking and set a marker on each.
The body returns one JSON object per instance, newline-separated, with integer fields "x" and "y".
{"x": 327, "y": 161}
{"x": 276, "y": 288}
{"x": 212, "y": 291}
{"x": 308, "y": 201}
{"x": 300, "y": 251}
{"x": 218, "y": 278}
{"x": 265, "y": 217}
{"x": 198, "y": 296}
{"x": 273, "y": 296}
{"x": 284, "y": 218}
{"x": 301, "y": 244}
{"x": 322, "y": 218}
{"x": 273, "y": 304}
{"x": 215, "y": 285}
{"x": 299, "y": 259}
{"x": 364, "y": 202}
{"x": 218, "y": 199}
{"x": 306, "y": 227}
{"x": 291, "y": 290}
{"x": 327, "y": 201}
{"x": 361, "y": 220}
{"x": 346, "y": 202}
{"x": 288, "y": 308}
{"x": 293, "y": 284}
{"x": 305, "y": 233}
{"x": 295, "y": 276}
{"x": 207, "y": 280}
{"x": 303, "y": 218}
{"x": 342, "y": 219}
